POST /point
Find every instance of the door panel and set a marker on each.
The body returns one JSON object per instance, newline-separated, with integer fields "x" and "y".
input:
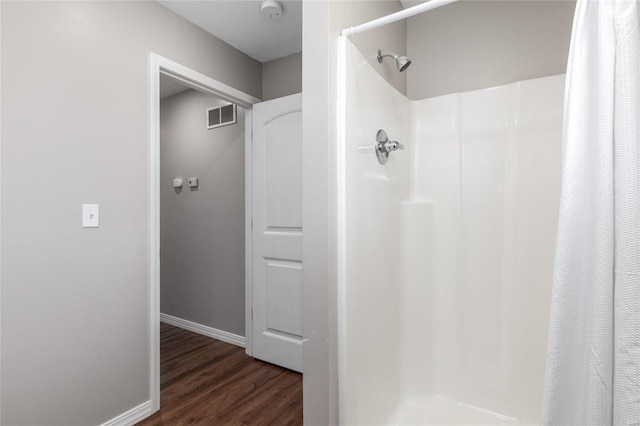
{"x": 283, "y": 293}
{"x": 277, "y": 231}
{"x": 283, "y": 163}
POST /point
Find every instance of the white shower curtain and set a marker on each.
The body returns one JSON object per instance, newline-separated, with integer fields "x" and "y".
{"x": 593, "y": 363}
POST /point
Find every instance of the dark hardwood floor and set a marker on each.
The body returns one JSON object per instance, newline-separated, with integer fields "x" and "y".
{"x": 209, "y": 382}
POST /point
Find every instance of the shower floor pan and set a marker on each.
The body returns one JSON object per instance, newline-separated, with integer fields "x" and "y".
{"x": 441, "y": 411}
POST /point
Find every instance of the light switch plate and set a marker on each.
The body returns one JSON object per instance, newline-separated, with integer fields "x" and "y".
{"x": 90, "y": 216}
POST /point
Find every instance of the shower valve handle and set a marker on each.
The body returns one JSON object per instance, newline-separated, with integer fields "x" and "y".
{"x": 384, "y": 146}
{"x": 391, "y": 146}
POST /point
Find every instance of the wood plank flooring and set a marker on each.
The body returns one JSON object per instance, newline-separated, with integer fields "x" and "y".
{"x": 208, "y": 382}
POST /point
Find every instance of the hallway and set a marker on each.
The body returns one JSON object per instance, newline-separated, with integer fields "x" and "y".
{"x": 208, "y": 382}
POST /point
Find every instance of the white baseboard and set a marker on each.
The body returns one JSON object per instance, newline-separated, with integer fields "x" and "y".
{"x": 225, "y": 336}
{"x": 132, "y": 416}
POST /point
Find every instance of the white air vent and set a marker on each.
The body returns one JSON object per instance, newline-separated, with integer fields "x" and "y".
{"x": 221, "y": 116}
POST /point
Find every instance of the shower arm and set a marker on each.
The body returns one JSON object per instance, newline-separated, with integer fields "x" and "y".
{"x": 385, "y": 55}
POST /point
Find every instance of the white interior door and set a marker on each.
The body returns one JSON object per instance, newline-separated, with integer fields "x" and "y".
{"x": 277, "y": 231}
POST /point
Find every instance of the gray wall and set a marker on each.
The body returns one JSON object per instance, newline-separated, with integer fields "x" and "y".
{"x": 282, "y": 77}
{"x": 202, "y": 230}
{"x": 322, "y": 22}
{"x": 391, "y": 37}
{"x": 75, "y": 130}
{"x": 477, "y": 44}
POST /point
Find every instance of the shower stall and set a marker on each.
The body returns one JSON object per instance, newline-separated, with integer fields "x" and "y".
{"x": 446, "y": 251}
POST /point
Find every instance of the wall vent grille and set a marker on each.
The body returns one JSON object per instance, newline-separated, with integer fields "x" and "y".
{"x": 221, "y": 116}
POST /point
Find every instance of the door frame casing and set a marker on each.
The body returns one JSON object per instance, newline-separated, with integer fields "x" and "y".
{"x": 159, "y": 65}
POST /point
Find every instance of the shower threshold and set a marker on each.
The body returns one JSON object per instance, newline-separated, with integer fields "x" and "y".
{"x": 437, "y": 410}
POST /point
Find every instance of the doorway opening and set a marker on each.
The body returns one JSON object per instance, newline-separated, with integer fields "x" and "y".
{"x": 201, "y": 209}
{"x": 202, "y": 212}
{"x": 182, "y": 76}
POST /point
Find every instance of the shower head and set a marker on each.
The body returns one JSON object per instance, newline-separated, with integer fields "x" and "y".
{"x": 402, "y": 62}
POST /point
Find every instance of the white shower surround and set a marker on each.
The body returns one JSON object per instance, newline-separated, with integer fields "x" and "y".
{"x": 446, "y": 252}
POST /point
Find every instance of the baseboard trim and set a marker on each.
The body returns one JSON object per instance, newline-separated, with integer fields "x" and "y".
{"x": 214, "y": 333}
{"x": 132, "y": 416}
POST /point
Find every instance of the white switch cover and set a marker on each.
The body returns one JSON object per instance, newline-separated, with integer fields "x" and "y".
{"x": 90, "y": 215}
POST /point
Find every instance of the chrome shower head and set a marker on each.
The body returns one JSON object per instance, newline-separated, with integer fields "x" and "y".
{"x": 402, "y": 62}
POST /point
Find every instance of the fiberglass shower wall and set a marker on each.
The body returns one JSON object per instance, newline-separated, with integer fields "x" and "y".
{"x": 447, "y": 250}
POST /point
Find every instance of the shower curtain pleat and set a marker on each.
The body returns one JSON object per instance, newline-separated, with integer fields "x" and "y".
{"x": 593, "y": 361}
{"x": 626, "y": 125}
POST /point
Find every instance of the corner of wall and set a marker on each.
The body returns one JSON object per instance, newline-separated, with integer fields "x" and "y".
{"x": 131, "y": 417}
{"x": 319, "y": 350}
{"x": 282, "y": 77}
{"x": 391, "y": 37}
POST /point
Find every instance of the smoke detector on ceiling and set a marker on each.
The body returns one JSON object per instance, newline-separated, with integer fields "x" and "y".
{"x": 270, "y": 9}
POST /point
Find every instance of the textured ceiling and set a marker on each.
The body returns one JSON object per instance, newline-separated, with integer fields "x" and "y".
{"x": 239, "y": 23}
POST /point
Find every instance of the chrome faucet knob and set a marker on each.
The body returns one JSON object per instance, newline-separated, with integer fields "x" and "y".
{"x": 393, "y": 146}
{"x": 384, "y": 146}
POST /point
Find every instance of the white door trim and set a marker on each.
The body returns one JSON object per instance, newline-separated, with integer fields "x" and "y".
{"x": 159, "y": 65}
